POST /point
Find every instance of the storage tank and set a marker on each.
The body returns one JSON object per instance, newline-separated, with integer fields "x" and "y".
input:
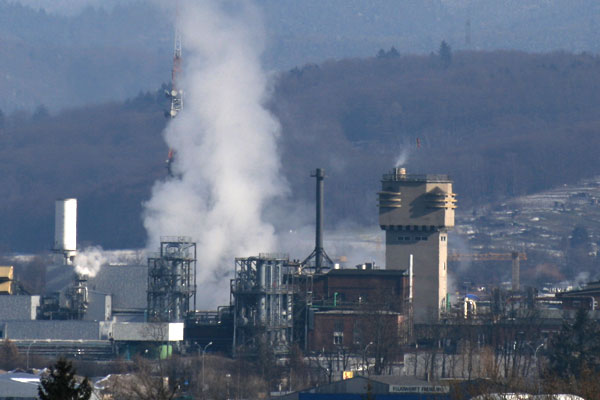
{"x": 65, "y": 228}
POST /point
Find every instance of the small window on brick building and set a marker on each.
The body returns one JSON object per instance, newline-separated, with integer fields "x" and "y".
{"x": 338, "y": 338}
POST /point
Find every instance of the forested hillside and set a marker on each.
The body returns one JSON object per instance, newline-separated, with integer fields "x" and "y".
{"x": 501, "y": 123}
{"x": 69, "y": 53}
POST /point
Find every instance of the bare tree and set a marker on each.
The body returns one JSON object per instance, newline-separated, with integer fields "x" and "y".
{"x": 9, "y": 355}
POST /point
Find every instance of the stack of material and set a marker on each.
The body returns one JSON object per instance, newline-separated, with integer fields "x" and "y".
{"x": 6, "y": 280}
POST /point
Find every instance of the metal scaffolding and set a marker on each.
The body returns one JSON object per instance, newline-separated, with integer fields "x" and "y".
{"x": 262, "y": 298}
{"x": 172, "y": 280}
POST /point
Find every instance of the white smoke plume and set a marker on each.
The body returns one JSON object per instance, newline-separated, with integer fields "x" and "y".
{"x": 402, "y": 158}
{"x": 89, "y": 261}
{"x": 226, "y": 165}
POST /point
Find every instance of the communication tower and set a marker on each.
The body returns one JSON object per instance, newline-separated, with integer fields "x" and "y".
{"x": 176, "y": 93}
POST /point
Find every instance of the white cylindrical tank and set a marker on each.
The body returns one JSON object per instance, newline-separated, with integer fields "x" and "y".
{"x": 65, "y": 225}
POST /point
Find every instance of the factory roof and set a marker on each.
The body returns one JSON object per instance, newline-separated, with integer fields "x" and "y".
{"x": 340, "y": 311}
{"x": 417, "y": 178}
{"x": 379, "y": 385}
{"x": 57, "y": 329}
{"x": 363, "y": 272}
{"x": 58, "y": 277}
{"x": 592, "y": 289}
{"x": 18, "y": 307}
{"x": 19, "y": 385}
{"x": 126, "y": 283}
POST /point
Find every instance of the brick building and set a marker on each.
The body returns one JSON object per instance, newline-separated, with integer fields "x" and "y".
{"x": 350, "y": 288}
{"x": 351, "y": 306}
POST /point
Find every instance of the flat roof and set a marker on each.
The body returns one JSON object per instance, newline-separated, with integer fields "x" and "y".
{"x": 365, "y": 272}
{"x": 439, "y": 178}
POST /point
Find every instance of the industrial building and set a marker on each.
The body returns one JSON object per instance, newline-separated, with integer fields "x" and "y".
{"x": 101, "y": 316}
{"x": 172, "y": 280}
{"x": 262, "y": 292}
{"x": 416, "y": 212}
{"x": 275, "y": 301}
{"x": 386, "y": 387}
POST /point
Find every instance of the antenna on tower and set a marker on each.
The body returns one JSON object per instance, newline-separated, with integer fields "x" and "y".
{"x": 468, "y": 33}
{"x": 176, "y": 93}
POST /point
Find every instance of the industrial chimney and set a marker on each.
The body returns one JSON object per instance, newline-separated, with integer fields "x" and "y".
{"x": 65, "y": 229}
{"x": 321, "y": 259}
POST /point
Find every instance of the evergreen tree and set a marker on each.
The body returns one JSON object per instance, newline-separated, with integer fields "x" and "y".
{"x": 445, "y": 54}
{"x": 576, "y": 348}
{"x": 60, "y": 384}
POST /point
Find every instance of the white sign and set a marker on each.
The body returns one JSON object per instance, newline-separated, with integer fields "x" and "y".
{"x": 418, "y": 389}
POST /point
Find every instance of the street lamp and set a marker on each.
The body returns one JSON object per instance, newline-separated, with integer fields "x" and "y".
{"x": 364, "y": 356}
{"x": 203, "y": 352}
{"x": 28, "y": 348}
{"x": 537, "y": 362}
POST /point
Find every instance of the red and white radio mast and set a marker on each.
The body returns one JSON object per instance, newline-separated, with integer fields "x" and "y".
{"x": 176, "y": 93}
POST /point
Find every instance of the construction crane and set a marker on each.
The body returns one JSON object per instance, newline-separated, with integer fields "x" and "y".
{"x": 176, "y": 93}
{"x": 513, "y": 256}
{"x": 486, "y": 256}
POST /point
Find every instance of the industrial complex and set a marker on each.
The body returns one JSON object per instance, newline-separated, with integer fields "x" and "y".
{"x": 274, "y": 301}
{"x": 404, "y": 319}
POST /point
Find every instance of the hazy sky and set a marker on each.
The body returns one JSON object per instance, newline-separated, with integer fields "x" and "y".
{"x": 68, "y": 7}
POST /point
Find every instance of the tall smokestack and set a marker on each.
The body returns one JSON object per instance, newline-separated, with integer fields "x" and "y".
{"x": 516, "y": 271}
{"x": 65, "y": 228}
{"x": 319, "y": 176}
{"x": 319, "y": 252}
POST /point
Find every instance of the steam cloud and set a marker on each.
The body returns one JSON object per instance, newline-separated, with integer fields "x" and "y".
{"x": 89, "y": 261}
{"x": 402, "y": 158}
{"x": 226, "y": 165}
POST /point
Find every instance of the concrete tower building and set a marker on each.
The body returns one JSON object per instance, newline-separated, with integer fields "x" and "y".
{"x": 416, "y": 211}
